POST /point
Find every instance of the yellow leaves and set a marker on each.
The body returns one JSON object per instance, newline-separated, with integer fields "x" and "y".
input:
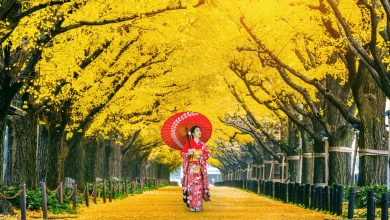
{"x": 167, "y": 156}
{"x": 165, "y": 203}
{"x": 191, "y": 50}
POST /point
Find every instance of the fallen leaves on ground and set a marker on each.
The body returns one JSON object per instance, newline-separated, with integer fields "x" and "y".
{"x": 227, "y": 203}
{"x": 166, "y": 203}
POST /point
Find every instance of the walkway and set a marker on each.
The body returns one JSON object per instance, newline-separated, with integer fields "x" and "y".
{"x": 227, "y": 203}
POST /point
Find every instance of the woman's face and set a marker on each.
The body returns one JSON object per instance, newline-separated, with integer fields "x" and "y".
{"x": 197, "y": 133}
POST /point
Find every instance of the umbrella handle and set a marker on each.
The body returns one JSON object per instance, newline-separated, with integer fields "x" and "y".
{"x": 188, "y": 163}
{"x": 189, "y": 142}
{"x": 188, "y": 138}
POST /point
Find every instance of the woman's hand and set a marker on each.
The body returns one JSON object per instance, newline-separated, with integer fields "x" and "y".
{"x": 190, "y": 152}
{"x": 197, "y": 156}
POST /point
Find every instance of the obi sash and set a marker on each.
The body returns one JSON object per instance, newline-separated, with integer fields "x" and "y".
{"x": 196, "y": 152}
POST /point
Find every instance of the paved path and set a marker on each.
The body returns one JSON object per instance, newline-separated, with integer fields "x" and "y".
{"x": 227, "y": 203}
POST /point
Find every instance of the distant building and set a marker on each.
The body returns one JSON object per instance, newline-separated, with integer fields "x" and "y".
{"x": 213, "y": 174}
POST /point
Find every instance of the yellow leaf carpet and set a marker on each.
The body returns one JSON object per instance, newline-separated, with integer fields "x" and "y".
{"x": 227, "y": 203}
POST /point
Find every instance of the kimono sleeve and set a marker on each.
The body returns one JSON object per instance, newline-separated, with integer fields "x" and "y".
{"x": 206, "y": 152}
{"x": 184, "y": 151}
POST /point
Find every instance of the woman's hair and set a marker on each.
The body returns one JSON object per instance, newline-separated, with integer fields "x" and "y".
{"x": 193, "y": 130}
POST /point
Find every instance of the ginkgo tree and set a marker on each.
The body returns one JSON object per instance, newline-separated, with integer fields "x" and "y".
{"x": 96, "y": 75}
{"x": 56, "y": 22}
{"x": 309, "y": 53}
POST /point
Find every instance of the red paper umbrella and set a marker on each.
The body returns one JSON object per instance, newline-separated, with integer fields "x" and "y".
{"x": 175, "y": 129}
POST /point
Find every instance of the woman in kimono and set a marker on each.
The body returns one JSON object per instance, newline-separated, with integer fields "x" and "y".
{"x": 195, "y": 180}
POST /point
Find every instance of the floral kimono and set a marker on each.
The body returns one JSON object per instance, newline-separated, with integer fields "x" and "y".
{"x": 195, "y": 181}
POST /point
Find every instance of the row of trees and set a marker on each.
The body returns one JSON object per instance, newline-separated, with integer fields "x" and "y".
{"x": 321, "y": 76}
{"x": 74, "y": 68}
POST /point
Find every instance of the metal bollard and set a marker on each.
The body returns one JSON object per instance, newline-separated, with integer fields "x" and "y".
{"x": 351, "y": 202}
{"x": 385, "y": 206}
{"x": 340, "y": 200}
{"x": 326, "y": 195}
{"x": 307, "y": 196}
{"x": 312, "y": 195}
{"x": 370, "y": 205}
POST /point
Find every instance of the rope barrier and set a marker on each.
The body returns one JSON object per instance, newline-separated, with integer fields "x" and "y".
{"x": 320, "y": 184}
{"x": 71, "y": 194}
{"x": 372, "y": 152}
{"x": 11, "y": 197}
{"x": 93, "y": 190}
{"x": 340, "y": 149}
{"x": 82, "y": 195}
{"x": 292, "y": 157}
{"x": 52, "y": 191}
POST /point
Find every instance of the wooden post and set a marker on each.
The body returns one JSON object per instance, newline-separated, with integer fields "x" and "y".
{"x": 271, "y": 170}
{"x": 299, "y": 172}
{"x": 110, "y": 190}
{"x": 354, "y": 158}
{"x": 326, "y": 161}
{"x": 287, "y": 167}
{"x": 126, "y": 191}
{"x": 74, "y": 196}
{"x": 44, "y": 202}
{"x": 23, "y": 207}
{"x": 94, "y": 193}
{"x": 119, "y": 186}
{"x": 312, "y": 165}
{"x": 247, "y": 170}
{"x": 60, "y": 193}
{"x": 283, "y": 169}
{"x": 263, "y": 171}
{"x": 123, "y": 186}
{"x": 104, "y": 191}
{"x": 86, "y": 195}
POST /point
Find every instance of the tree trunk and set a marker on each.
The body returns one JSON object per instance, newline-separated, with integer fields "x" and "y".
{"x": 8, "y": 151}
{"x": 162, "y": 171}
{"x": 94, "y": 160}
{"x": 319, "y": 163}
{"x": 107, "y": 163}
{"x": 116, "y": 161}
{"x": 293, "y": 141}
{"x": 306, "y": 161}
{"x": 371, "y": 103}
{"x": 43, "y": 156}
{"x": 74, "y": 162}
{"x": 5, "y": 205}
{"x": 341, "y": 135}
{"x": 340, "y": 162}
{"x": 23, "y": 157}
